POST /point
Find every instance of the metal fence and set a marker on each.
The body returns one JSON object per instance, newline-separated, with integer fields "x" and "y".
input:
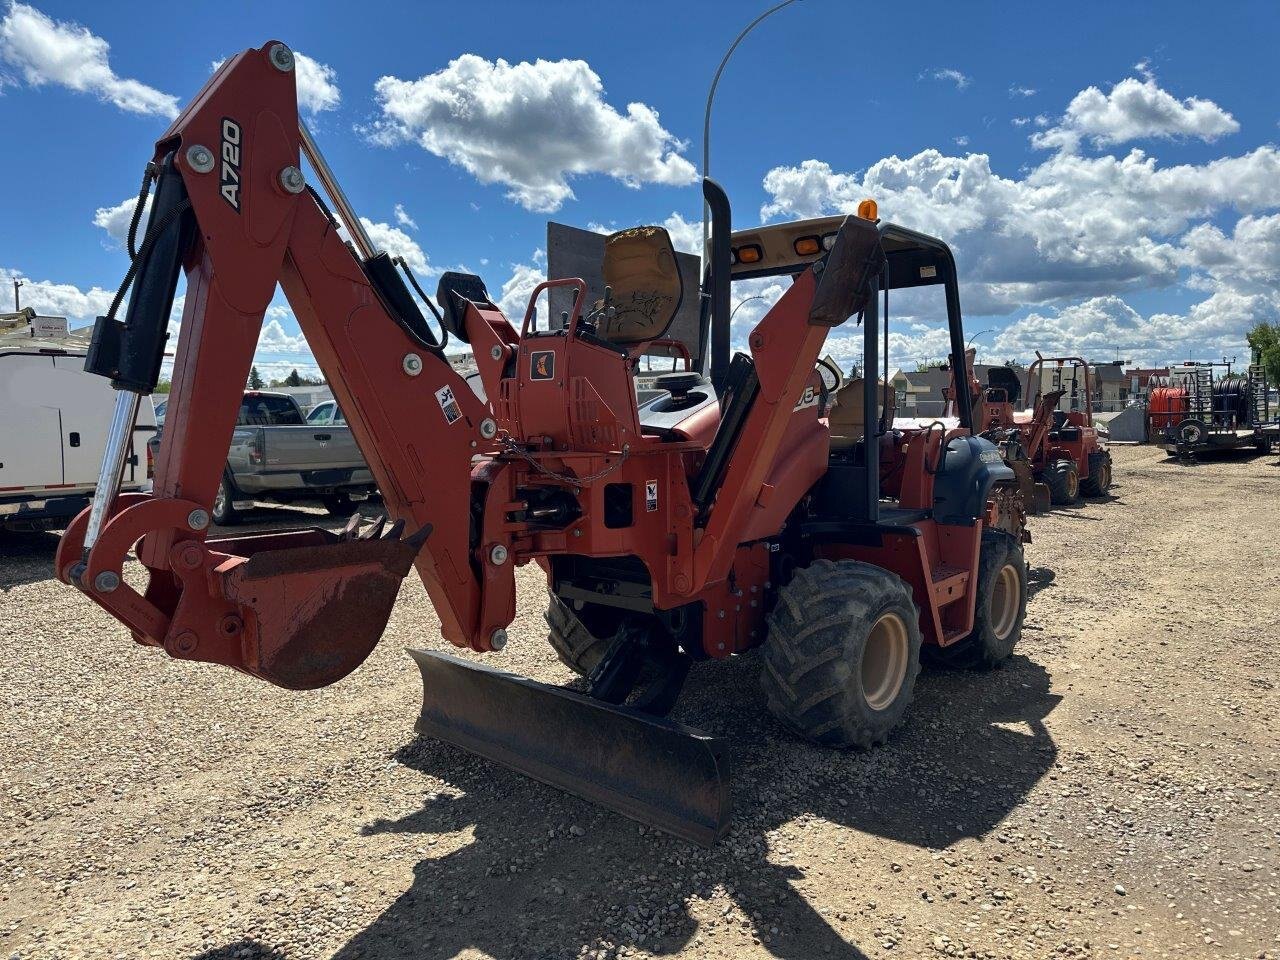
{"x": 937, "y": 408}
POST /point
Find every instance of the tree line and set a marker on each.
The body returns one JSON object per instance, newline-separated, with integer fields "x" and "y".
{"x": 294, "y": 379}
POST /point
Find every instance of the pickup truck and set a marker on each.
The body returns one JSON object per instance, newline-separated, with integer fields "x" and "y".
{"x": 278, "y": 454}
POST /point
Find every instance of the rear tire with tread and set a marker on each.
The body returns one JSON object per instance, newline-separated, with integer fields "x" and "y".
{"x": 998, "y": 613}
{"x": 838, "y": 628}
{"x": 1099, "y": 480}
{"x": 575, "y": 645}
{"x": 1063, "y": 480}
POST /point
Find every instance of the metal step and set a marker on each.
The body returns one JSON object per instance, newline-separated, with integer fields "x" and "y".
{"x": 659, "y": 772}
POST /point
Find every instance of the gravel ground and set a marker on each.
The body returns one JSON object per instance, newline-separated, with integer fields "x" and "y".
{"x": 1112, "y": 792}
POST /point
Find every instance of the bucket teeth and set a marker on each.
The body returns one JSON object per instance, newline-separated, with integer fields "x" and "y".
{"x": 352, "y": 530}
{"x": 357, "y": 529}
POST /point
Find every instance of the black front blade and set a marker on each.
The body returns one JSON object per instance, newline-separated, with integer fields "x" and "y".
{"x": 659, "y": 772}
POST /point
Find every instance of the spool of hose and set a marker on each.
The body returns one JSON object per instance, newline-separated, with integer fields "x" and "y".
{"x": 1167, "y": 406}
{"x": 1231, "y": 397}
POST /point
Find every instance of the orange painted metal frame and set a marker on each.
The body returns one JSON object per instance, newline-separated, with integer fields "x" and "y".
{"x": 274, "y": 609}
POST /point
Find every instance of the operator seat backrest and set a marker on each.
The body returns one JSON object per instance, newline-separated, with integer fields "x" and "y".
{"x": 847, "y": 420}
{"x": 641, "y": 272}
{"x": 452, "y": 294}
{"x": 1006, "y": 379}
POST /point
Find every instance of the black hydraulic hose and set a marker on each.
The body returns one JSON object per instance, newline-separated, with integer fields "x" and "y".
{"x": 148, "y": 175}
{"x": 130, "y": 353}
{"x": 140, "y": 258}
{"x": 413, "y": 282}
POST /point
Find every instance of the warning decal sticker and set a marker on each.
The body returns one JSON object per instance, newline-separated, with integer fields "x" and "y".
{"x": 651, "y": 496}
{"x": 448, "y": 405}
{"x": 542, "y": 365}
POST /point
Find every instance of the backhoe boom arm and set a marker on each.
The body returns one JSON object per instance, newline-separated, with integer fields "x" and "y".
{"x": 303, "y": 609}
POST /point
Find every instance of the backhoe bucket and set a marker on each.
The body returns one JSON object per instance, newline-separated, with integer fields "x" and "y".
{"x": 661, "y": 773}
{"x": 319, "y": 609}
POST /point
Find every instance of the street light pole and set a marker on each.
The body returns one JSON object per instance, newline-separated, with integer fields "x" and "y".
{"x": 756, "y": 296}
{"x": 706, "y": 120}
{"x": 17, "y": 305}
{"x": 980, "y": 333}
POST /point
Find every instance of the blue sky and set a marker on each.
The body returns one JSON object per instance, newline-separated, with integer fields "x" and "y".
{"x": 1107, "y": 173}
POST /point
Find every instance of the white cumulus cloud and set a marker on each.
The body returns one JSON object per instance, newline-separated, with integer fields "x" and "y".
{"x": 274, "y": 339}
{"x": 1060, "y": 245}
{"x": 949, "y": 74}
{"x": 397, "y": 243}
{"x": 53, "y": 299}
{"x": 403, "y": 218}
{"x": 1071, "y": 227}
{"x": 519, "y": 287}
{"x": 115, "y": 220}
{"x": 1247, "y": 260}
{"x": 317, "y": 84}
{"x": 43, "y": 51}
{"x": 1135, "y": 110}
{"x": 686, "y": 235}
{"x": 1107, "y": 327}
{"x": 529, "y": 126}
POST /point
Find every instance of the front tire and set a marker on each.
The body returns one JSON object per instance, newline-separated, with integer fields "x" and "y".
{"x": 999, "y": 609}
{"x": 1063, "y": 480}
{"x": 842, "y": 654}
{"x": 1099, "y": 480}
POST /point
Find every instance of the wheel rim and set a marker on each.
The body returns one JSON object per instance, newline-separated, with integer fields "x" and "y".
{"x": 1006, "y": 599}
{"x": 1073, "y": 484}
{"x": 884, "y": 661}
{"x": 1105, "y": 480}
{"x": 220, "y": 501}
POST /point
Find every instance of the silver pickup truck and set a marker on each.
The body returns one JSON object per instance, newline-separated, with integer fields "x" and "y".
{"x": 277, "y": 454}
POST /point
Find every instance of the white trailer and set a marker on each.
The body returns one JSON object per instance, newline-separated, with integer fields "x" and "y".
{"x": 53, "y": 424}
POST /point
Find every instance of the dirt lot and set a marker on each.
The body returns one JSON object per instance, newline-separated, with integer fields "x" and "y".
{"x": 1113, "y": 792}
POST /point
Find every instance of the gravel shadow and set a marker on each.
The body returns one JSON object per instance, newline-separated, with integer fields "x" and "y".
{"x": 26, "y": 557}
{"x": 241, "y": 950}
{"x": 973, "y": 746}
{"x": 1039, "y": 578}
